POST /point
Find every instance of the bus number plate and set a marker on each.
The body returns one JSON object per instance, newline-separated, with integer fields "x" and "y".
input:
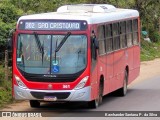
{"x": 50, "y": 98}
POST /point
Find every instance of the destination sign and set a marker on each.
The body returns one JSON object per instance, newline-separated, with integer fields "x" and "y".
{"x": 52, "y": 25}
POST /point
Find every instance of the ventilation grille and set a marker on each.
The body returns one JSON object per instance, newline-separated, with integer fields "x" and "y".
{"x": 97, "y": 8}
{"x": 59, "y": 95}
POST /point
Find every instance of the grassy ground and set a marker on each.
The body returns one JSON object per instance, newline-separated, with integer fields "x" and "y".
{"x": 5, "y": 89}
{"x": 149, "y": 51}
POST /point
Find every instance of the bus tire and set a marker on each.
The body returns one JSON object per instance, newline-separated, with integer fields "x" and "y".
{"x": 34, "y": 103}
{"x": 123, "y": 91}
{"x": 100, "y": 93}
{"x": 95, "y": 103}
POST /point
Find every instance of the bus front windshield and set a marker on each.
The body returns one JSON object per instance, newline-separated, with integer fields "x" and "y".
{"x": 36, "y": 54}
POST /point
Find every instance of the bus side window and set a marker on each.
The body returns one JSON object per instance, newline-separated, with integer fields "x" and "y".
{"x": 123, "y": 39}
{"x": 135, "y": 31}
{"x": 109, "y": 38}
{"x": 129, "y": 33}
{"x": 101, "y": 38}
{"x": 116, "y": 37}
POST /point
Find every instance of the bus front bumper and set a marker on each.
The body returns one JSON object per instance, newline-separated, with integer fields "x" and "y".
{"x": 60, "y": 95}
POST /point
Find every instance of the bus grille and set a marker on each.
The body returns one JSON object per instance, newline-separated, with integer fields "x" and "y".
{"x": 50, "y": 79}
{"x": 59, "y": 95}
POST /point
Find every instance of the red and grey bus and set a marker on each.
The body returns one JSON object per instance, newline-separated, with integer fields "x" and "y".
{"x": 78, "y": 53}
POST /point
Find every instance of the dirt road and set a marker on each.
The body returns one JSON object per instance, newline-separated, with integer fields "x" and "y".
{"x": 149, "y": 69}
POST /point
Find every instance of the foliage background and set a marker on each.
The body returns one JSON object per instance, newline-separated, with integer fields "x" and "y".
{"x": 11, "y": 10}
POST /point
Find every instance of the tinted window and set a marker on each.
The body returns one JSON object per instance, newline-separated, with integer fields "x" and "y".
{"x": 123, "y": 34}
{"x": 109, "y": 39}
{"x": 101, "y": 38}
{"x": 135, "y": 25}
{"x": 115, "y": 29}
{"x": 122, "y": 27}
{"x": 129, "y": 32}
{"x": 116, "y": 37}
{"x": 109, "y": 30}
{"x": 135, "y": 31}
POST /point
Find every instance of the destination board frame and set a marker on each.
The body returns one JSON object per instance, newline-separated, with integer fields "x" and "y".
{"x": 49, "y": 25}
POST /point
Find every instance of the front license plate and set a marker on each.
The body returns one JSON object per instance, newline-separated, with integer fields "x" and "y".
{"x": 50, "y": 98}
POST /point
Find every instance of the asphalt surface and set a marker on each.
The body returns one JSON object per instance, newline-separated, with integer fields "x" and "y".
{"x": 143, "y": 95}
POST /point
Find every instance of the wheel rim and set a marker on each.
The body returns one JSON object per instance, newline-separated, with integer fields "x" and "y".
{"x": 96, "y": 102}
{"x": 99, "y": 98}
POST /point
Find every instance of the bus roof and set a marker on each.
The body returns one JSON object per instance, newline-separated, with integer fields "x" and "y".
{"x": 92, "y": 13}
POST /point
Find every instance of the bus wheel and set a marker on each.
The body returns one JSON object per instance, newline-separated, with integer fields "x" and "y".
{"x": 34, "y": 103}
{"x": 123, "y": 91}
{"x": 95, "y": 103}
{"x": 100, "y": 93}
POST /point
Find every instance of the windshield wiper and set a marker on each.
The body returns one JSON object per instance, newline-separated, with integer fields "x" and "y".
{"x": 40, "y": 47}
{"x": 62, "y": 42}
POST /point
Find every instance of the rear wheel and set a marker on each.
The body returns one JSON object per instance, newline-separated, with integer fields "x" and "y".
{"x": 100, "y": 93}
{"x": 95, "y": 103}
{"x": 123, "y": 91}
{"x": 34, "y": 103}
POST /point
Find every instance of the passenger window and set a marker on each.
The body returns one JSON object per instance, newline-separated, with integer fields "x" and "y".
{"x": 116, "y": 36}
{"x": 101, "y": 38}
{"x": 123, "y": 39}
{"x": 135, "y": 31}
{"x": 109, "y": 38}
{"x": 129, "y": 33}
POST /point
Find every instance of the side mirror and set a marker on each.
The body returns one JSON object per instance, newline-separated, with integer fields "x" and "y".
{"x": 94, "y": 47}
{"x": 95, "y": 42}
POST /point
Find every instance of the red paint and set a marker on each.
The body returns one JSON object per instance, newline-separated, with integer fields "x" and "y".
{"x": 112, "y": 64}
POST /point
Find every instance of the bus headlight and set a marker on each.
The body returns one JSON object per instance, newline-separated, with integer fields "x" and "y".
{"x": 82, "y": 83}
{"x": 19, "y": 82}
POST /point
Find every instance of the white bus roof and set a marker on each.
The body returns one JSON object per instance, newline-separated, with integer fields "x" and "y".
{"x": 92, "y": 13}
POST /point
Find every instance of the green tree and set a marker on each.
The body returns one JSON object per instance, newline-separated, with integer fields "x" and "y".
{"x": 9, "y": 14}
{"x": 34, "y": 6}
{"x": 11, "y": 10}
